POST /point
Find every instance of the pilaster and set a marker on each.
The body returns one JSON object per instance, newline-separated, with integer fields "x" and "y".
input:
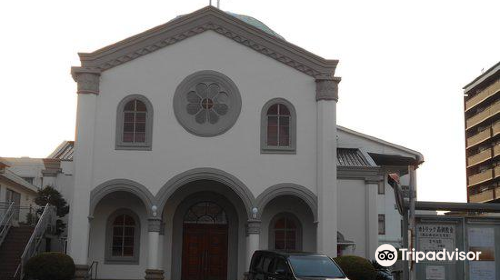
{"x": 326, "y": 165}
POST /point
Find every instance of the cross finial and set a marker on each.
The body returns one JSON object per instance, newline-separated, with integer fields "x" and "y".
{"x": 218, "y": 3}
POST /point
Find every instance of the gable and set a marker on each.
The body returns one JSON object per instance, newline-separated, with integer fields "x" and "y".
{"x": 348, "y": 138}
{"x": 208, "y": 18}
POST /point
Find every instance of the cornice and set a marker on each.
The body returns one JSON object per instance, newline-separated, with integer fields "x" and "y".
{"x": 209, "y": 18}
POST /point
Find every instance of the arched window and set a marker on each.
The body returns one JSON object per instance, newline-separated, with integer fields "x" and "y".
{"x": 134, "y": 123}
{"x": 122, "y": 237}
{"x": 285, "y": 233}
{"x": 205, "y": 213}
{"x": 278, "y": 131}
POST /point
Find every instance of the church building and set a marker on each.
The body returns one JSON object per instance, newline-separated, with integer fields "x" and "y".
{"x": 206, "y": 138}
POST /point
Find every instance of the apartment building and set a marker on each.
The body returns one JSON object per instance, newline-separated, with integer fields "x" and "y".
{"x": 482, "y": 130}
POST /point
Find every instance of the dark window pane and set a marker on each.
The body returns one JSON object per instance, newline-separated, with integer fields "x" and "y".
{"x": 128, "y": 127}
{"x": 118, "y": 220}
{"x": 290, "y": 224}
{"x": 117, "y": 241}
{"x": 129, "y": 241}
{"x": 129, "y": 231}
{"x": 128, "y": 251}
{"x": 279, "y": 234}
{"x": 117, "y": 231}
{"x": 140, "y": 137}
{"x": 130, "y": 106}
{"x": 284, "y": 110}
{"x": 140, "y": 127}
{"x": 279, "y": 244}
{"x": 128, "y": 137}
{"x": 140, "y": 117}
{"x": 284, "y": 138}
{"x": 284, "y": 121}
{"x": 273, "y": 110}
{"x": 129, "y": 117}
{"x": 117, "y": 251}
{"x": 140, "y": 107}
{"x": 280, "y": 224}
{"x": 129, "y": 220}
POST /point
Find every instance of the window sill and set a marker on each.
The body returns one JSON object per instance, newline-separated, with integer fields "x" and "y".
{"x": 289, "y": 151}
{"x": 118, "y": 261}
{"x": 133, "y": 147}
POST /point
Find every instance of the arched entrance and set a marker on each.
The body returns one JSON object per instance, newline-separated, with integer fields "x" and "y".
{"x": 205, "y": 238}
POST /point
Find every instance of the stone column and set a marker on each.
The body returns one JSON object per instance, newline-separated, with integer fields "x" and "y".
{"x": 253, "y": 239}
{"x": 78, "y": 225}
{"x": 326, "y": 165}
{"x": 153, "y": 271}
{"x": 371, "y": 193}
{"x": 160, "y": 245}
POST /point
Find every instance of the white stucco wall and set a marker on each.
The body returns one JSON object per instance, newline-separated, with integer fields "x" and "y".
{"x": 97, "y": 246}
{"x": 387, "y": 206}
{"x": 300, "y": 210}
{"x": 156, "y": 76}
{"x": 351, "y": 203}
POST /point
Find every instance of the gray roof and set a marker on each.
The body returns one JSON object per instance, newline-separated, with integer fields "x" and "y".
{"x": 353, "y": 158}
{"x": 64, "y": 151}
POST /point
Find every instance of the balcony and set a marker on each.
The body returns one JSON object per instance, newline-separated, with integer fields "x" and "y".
{"x": 483, "y": 95}
{"x": 482, "y": 197}
{"x": 496, "y": 128}
{"x": 497, "y": 171}
{"x": 480, "y": 137}
{"x": 484, "y": 115}
{"x": 480, "y": 157}
{"x": 481, "y": 177}
{"x": 496, "y": 150}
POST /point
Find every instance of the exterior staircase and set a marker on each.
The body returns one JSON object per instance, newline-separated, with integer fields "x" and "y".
{"x": 11, "y": 250}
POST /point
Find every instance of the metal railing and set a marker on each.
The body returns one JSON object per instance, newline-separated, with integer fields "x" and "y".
{"x": 90, "y": 273}
{"x": 6, "y": 222}
{"x": 46, "y": 221}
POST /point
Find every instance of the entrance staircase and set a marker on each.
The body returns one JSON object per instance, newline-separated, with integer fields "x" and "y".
{"x": 11, "y": 250}
{"x": 19, "y": 243}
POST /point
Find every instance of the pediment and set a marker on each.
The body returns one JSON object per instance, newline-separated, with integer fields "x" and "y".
{"x": 208, "y": 18}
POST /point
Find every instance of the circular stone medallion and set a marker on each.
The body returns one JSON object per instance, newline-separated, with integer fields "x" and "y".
{"x": 207, "y": 103}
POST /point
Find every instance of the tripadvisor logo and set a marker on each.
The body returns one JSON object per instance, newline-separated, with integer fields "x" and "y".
{"x": 387, "y": 255}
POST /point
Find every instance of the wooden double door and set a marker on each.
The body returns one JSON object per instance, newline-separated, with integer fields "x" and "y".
{"x": 204, "y": 252}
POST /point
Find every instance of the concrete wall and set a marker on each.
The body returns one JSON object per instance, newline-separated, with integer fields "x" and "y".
{"x": 156, "y": 76}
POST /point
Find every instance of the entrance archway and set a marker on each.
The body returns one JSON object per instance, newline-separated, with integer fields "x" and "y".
{"x": 187, "y": 229}
{"x": 205, "y": 237}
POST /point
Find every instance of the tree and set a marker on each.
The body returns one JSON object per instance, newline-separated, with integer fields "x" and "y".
{"x": 53, "y": 197}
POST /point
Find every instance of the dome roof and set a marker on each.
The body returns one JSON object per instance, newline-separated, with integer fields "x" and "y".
{"x": 256, "y": 23}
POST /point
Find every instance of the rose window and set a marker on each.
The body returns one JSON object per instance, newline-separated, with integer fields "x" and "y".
{"x": 207, "y": 103}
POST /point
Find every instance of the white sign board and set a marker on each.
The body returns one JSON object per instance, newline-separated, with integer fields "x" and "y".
{"x": 435, "y": 238}
{"x": 482, "y": 270}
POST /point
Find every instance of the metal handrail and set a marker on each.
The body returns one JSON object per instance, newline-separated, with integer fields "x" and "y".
{"x": 90, "y": 271}
{"x": 6, "y": 222}
{"x": 32, "y": 247}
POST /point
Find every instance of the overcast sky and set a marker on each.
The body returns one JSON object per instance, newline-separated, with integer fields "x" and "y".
{"x": 403, "y": 65}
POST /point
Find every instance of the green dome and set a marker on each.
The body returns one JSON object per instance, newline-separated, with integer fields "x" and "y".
{"x": 256, "y": 23}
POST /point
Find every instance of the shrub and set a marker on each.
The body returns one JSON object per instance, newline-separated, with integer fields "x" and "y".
{"x": 50, "y": 266}
{"x": 356, "y": 268}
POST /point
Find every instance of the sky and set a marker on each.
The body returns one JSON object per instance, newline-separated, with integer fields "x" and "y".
{"x": 403, "y": 65}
